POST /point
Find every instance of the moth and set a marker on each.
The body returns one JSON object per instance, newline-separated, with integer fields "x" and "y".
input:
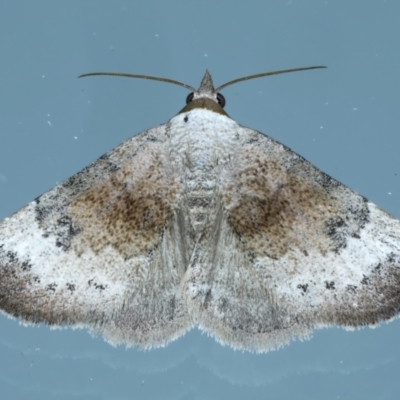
{"x": 201, "y": 222}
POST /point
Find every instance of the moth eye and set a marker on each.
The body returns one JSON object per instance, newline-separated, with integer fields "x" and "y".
{"x": 221, "y": 100}
{"x": 189, "y": 98}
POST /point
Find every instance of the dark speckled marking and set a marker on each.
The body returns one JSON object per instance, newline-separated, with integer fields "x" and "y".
{"x": 365, "y": 280}
{"x": 71, "y": 287}
{"x": 351, "y": 288}
{"x": 330, "y": 285}
{"x": 335, "y": 229}
{"x": 303, "y": 287}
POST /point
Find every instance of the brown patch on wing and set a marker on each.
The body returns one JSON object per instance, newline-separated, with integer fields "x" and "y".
{"x": 275, "y": 209}
{"x": 130, "y": 210}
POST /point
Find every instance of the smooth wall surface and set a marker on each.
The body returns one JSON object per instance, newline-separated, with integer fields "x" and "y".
{"x": 344, "y": 119}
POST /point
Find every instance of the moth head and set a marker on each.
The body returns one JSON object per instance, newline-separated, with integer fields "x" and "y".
{"x": 206, "y": 90}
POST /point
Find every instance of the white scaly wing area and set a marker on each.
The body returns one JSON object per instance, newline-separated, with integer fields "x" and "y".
{"x": 106, "y": 249}
{"x": 287, "y": 249}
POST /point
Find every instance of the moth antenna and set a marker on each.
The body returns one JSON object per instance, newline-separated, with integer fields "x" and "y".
{"x": 281, "y": 71}
{"x": 153, "y": 78}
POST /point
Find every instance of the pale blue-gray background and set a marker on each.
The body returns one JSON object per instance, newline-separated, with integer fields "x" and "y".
{"x": 344, "y": 119}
